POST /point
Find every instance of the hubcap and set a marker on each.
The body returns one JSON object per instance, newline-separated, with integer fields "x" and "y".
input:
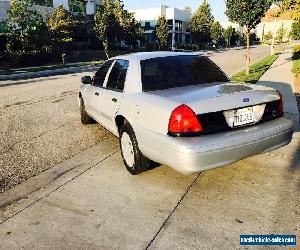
{"x": 127, "y": 149}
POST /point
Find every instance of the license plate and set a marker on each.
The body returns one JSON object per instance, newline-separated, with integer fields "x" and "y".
{"x": 243, "y": 116}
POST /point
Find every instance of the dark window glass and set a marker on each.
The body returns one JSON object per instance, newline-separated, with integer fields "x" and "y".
{"x": 99, "y": 77}
{"x": 117, "y": 75}
{"x": 177, "y": 71}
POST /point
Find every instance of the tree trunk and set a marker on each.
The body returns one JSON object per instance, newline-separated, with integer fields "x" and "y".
{"x": 105, "y": 47}
{"x": 248, "y": 53}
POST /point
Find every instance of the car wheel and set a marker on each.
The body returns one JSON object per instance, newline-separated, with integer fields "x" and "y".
{"x": 133, "y": 158}
{"x": 85, "y": 118}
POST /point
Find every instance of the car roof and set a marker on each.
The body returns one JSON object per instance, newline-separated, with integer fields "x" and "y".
{"x": 140, "y": 56}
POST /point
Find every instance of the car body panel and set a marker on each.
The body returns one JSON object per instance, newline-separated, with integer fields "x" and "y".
{"x": 188, "y": 155}
{"x": 149, "y": 112}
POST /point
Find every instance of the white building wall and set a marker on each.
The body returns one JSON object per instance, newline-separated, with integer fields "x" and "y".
{"x": 64, "y": 3}
{"x": 147, "y": 14}
{"x": 4, "y": 7}
{"x": 236, "y": 26}
{"x": 90, "y": 7}
{"x": 265, "y": 27}
{"x": 182, "y": 15}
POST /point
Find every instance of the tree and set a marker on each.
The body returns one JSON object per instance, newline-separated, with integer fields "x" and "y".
{"x": 201, "y": 23}
{"x": 290, "y": 5}
{"x": 281, "y": 33}
{"x": 24, "y": 27}
{"x": 131, "y": 28}
{"x": 268, "y": 36}
{"x": 248, "y": 14}
{"x": 113, "y": 23}
{"x": 295, "y": 32}
{"x": 60, "y": 24}
{"x": 228, "y": 34}
{"x": 77, "y": 6}
{"x": 216, "y": 32}
{"x": 188, "y": 9}
{"x": 162, "y": 32}
{"x": 48, "y": 3}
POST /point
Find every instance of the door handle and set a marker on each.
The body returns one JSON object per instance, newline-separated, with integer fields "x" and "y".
{"x": 97, "y": 94}
{"x": 114, "y": 99}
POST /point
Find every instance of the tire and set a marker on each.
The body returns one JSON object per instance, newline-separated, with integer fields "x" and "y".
{"x": 136, "y": 163}
{"x": 84, "y": 117}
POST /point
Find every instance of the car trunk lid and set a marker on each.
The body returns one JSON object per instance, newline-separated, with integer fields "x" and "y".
{"x": 214, "y": 97}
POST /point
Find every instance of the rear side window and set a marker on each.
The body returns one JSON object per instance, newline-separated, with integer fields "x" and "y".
{"x": 117, "y": 75}
{"x": 178, "y": 71}
{"x": 101, "y": 73}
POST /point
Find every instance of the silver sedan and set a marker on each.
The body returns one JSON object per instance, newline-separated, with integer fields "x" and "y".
{"x": 180, "y": 109}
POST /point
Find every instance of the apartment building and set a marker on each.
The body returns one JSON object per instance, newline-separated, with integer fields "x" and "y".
{"x": 178, "y": 21}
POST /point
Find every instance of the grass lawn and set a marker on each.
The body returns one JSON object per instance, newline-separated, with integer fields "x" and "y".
{"x": 296, "y": 64}
{"x": 256, "y": 70}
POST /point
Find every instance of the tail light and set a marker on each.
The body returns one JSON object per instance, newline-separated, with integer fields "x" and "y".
{"x": 280, "y": 104}
{"x": 184, "y": 122}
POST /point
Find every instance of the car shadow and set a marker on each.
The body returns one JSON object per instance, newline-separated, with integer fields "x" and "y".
{"x": 287, "y": 201}
{"x": 289, "y": 98}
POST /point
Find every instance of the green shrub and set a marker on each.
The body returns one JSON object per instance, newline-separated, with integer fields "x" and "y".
{"x": 296, "y": 50}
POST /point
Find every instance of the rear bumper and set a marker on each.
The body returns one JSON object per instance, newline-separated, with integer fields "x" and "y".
{"x": 188, "y": 155}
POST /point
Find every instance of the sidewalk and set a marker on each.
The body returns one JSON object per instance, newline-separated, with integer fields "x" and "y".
{"x": 22, "y": 74}
{"x": 280, "y": 77}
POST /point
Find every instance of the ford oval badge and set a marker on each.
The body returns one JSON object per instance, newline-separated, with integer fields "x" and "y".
{"x": 246, "y": 99}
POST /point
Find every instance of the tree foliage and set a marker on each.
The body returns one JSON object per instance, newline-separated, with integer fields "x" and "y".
{"x": 216, "y": 32}
{"x": 295, "y": 32}
{"x": 228, "y": 34}
{"x": 113, "y": 23}
{"x": 281, "y": 33}
{"x": 60, "y": 24}
{"x": 131, "y": 28}
{"x": 162, "y": 32}
{"x": 188, "y": 9}
{"x": 268, "y": 36}
{"x": 201, "y": 23}
{"x": 248, "y": 14}
{"x": 25, "y": 27}
{"x": 290, "y": 5}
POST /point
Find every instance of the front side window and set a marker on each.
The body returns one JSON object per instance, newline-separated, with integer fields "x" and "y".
{"x": 178, "y": 71}
{"x": 117, "y": 75}
{"x": 100, "y": 75}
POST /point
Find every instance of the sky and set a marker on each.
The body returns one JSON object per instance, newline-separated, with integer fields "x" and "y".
{"x": 218, "y": 6}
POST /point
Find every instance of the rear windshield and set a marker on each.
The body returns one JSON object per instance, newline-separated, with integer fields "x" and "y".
{"x": 177, "y": 71}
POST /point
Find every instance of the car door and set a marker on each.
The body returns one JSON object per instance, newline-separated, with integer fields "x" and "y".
{"x": 94, "y": 90}
{"x": 112, "y": 94}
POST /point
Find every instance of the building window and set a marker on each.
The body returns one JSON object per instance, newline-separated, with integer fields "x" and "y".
{"x": 147, "y": 25}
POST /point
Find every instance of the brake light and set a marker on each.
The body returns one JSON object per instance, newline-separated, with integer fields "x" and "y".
{"x": 184, "y": 120}
{"x": 280, "y": 104}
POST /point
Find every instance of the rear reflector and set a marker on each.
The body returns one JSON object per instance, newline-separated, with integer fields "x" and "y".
{"x": 184, "y": 121}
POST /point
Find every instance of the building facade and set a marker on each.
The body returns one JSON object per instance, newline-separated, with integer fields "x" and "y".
{"x": 177, "y": 19}
{"x": 90, "y": 7}
{"x": 4, "y": 7}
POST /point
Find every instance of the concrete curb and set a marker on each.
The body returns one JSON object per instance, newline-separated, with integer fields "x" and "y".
{"x": 66, "y": 170}
{"x": 46, "y": 73}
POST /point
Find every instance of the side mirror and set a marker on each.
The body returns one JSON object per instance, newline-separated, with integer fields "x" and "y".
{"x": 86, "y": 80}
